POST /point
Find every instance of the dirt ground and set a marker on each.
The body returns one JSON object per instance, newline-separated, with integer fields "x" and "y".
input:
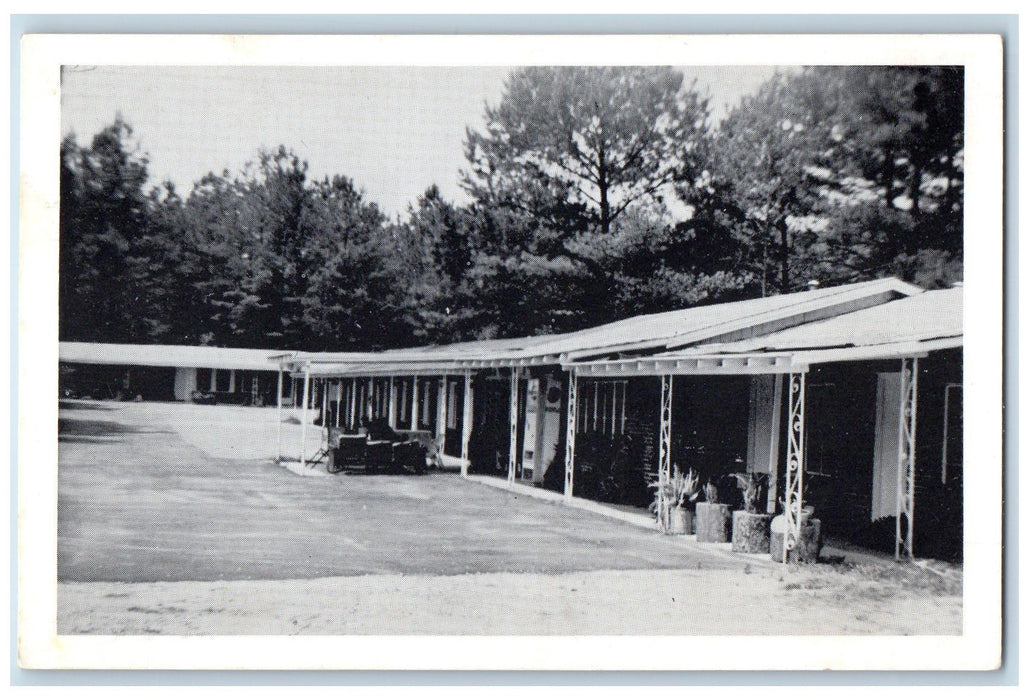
{"x": 174, "y": 519}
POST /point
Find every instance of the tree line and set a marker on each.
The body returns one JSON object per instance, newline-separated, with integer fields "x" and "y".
{"x": 594, "y": 194}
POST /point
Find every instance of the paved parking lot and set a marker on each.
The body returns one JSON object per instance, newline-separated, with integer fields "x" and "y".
{"x": 175, "y": 519}
{"x": 147, "y": 493}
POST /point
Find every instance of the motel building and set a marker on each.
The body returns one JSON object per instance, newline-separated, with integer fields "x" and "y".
{"x": 170, "y": 373}
{"x": 846, "y": 399}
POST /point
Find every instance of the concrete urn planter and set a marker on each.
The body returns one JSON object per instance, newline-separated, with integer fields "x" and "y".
{"x": 713, "y": 522}
{"x": 807, "y": 549}
{"x": 750, "y": 532}
{"x": 680, "y": 522}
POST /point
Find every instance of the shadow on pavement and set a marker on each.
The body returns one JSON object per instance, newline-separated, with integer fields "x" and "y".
{"x": 73, "y": 405}
{"x": 68, "y": 428}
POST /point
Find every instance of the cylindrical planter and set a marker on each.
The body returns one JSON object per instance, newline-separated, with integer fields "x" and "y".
{"x": 680, "y": 522}
{"x": 750, "y": 532}
{"x": 810, "y": 541}
{"x": 713, "y": 522}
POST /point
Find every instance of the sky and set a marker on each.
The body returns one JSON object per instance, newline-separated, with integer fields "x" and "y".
{"x": 393, "y": 130}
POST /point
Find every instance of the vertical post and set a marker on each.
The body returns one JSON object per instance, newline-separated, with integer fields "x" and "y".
{"x": 466, "y": 423}
{"x": 794, "y": 501}
{"x": 625, "y": 385}
{"x": 353, "y": 403}
{"x": 214, "y": 379}
{"x": 512, "y": 455}
{"x": 573, "y": 407}
{"x": 303, "y": 417}
{"x": 414, "y": 404}
{"x": 392, "y": 403}
{"x": 232, "y": 381}
{"x": 441, "y": 413}
{"x": 278, "y": 419}
{"x": 339, "y": 400}
{"x": 325, "y": 409}
{"x": 596, "y": 403}
{"x": 906, "y": 458}
{"x": 664, "y": 464}
{"x": 773, "y": 446}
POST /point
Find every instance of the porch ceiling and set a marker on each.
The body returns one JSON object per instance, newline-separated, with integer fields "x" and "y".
{"x": 691, "y": 364}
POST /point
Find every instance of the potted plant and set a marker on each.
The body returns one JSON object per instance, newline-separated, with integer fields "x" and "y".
{"x": 750, "y": 526}
{"x": 713, "y": 518}
{"x": 672, "y": 498}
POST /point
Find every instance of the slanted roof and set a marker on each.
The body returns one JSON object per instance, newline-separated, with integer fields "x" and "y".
{"x": 650, "y": 333}
{"x": 430, "y": 359}
{"x": 927, "y": 317}
{"x": 168, "y": 356}
{"x": 907, "y": 327}
{"x": 730, "y": 321}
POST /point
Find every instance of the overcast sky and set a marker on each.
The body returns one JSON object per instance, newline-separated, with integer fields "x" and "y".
{"x": 394, "y": 131}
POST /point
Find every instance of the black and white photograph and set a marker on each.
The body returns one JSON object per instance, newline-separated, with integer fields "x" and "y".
{"x": 597, "y": 342}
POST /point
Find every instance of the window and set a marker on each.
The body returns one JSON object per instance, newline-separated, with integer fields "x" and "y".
{"x": 603, "y": 407}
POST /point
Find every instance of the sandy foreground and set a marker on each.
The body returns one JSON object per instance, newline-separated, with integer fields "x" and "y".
{"x": 666, "y": 602}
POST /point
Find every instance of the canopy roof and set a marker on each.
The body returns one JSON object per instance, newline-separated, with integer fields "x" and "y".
{"x": 168, "y": 356}
{"x": 908, "y": 327}
{"x": 653, "y": 333}
{"x": 784, "y": 333}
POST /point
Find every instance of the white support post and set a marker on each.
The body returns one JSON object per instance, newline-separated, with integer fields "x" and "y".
{"x": 214, "y": 379}
{"x": 232, "y": 381}
{"x": 325, "y": 410}
{"x": 339, "y": 400}
{"x": 570, "y": 428}
{"x": 303, "y": 418}
{"x": 353, "y": 403}
{"x": 466, "y": 423}
{"x": 414, "y": 404}
{"x": 906, "y": 459}
{"x": 278, "y": 419}
{"x": 664, "y": 463}
{"x": 596, "y": 403}
{"x": 512, "y": 457}
{"x": 624, "y": 387}
{"x": 392, "y": 403}
{"x": 794, "y": 496}
{"x": 441, "y": 412}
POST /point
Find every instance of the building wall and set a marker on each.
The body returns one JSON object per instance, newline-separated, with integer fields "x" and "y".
{"x": 939, "y": 492}
{"x": 840, "y": 421}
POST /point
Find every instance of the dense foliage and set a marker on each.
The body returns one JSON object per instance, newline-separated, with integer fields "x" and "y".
{"x": 595, "y": 194}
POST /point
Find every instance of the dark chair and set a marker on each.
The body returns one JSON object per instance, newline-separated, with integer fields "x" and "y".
{"x": 379, "y": 429}
{"x": 410, "y": 456}
{"x": 379, "y": 453}
{"x": 351, "y": 452}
